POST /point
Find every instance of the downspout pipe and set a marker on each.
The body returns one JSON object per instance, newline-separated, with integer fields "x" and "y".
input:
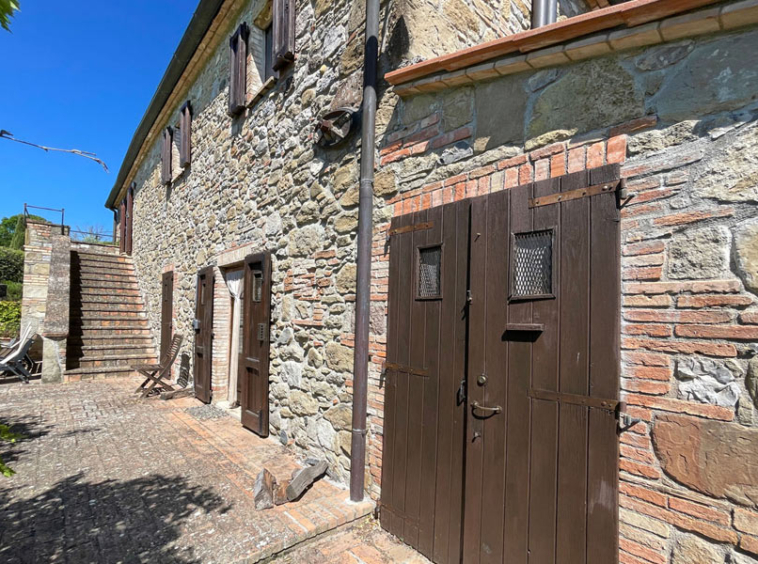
{"x": 544, "y": 12}
{"x": 365, "y": 235}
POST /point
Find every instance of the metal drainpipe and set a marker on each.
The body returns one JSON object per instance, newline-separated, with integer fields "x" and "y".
{"x": 544, "y": 12}
{"x": 365, "y": 234}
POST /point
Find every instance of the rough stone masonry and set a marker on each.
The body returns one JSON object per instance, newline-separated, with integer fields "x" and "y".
{"x": 672, "y": 102}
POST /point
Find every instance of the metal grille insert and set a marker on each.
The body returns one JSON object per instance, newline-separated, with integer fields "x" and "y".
{"x": 429, "y": 285}
{"x": 532, "y": 264}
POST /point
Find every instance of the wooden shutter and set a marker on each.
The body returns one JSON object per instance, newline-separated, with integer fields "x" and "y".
{"x": 129, "y": 218}
{"x": 284, "y": 33}
{"x": 122, "y": 226}
{"x": 238, "y": 69}
{"x": 185, "y": 132}
{"x": 166, "y": 150}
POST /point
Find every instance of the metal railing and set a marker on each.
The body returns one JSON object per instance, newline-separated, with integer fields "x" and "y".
{"x": 27, "y": 207}
{"x": 75, "y": 234}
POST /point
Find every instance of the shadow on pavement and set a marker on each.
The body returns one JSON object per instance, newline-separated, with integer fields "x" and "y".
{"x": 136, "y": 520}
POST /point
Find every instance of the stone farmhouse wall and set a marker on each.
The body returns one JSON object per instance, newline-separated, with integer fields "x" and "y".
{"x": 258, "y": 182}
{"x": 681, "y": 118}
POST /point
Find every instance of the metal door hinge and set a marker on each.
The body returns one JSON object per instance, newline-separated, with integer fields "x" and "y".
{"x": 625, "y": 421}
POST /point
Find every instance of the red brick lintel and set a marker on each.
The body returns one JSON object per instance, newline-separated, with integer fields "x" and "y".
{"x": 621, "y": 17}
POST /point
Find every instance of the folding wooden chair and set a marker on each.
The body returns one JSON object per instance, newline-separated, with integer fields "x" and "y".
{"x": 157, "y": 374}
{"x": 13, "y": 361}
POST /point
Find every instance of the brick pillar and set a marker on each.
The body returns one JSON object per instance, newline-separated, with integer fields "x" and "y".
{"x": 55, "y": 327}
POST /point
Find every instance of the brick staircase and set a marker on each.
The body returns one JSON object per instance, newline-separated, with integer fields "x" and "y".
{"x": 108, "y": 329}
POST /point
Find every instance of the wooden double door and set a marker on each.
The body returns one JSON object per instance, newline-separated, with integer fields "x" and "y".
{"x": 500, "y": 430}
{"x": 253, "y": 355}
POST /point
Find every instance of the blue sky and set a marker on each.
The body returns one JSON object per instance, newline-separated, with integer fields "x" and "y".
{"x": 79, "y": 74}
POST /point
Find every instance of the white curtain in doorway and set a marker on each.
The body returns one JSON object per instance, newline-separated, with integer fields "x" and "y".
{"x": 235, "y": 282}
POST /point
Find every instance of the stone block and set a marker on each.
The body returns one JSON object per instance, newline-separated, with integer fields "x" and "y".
{"x": 701, "y": 85}
{"x": 711, "y": 457}
{"x": 746, "y": 253}
{"x": 731, "y": 174}
{"x": 690, "y": 549}
{"x": 493, "y": 101}
{"x": 700, "y": 254}
{"x": 589, "y": 96}
{"x": 708, "y": 381}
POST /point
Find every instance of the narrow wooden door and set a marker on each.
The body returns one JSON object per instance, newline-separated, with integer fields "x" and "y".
{"x": 254, "y": 352}
{"x": 533, "y": 478}
{"x": 422, "y": 472}
{"x": 167, "y": 313}
{"x": 204, "y": 334}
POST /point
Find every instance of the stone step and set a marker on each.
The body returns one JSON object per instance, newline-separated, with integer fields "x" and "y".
{"x": 102, "y": 274}
{"x": 103, "y": 285}
{"x": 97, "y": 292}
{"x": 84, "y": 352}
{"x": 99, "y": 251}
{"x": 103, "y": 340}
{"x": 81, "y": 325}
{"x": 102, "y": 266}
{"x": 106, "y": 298}
{"x": 88, "y": 331}
{"x": 106, "y": 307}
{"x": 110, "y": 360}
{"x": 77, "y": 374}
{"x": 100, "y": 258}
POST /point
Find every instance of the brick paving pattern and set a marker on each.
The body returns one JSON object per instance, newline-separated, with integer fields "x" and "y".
{"x": 360, "y": 543}
{"x": 103, "y": 477}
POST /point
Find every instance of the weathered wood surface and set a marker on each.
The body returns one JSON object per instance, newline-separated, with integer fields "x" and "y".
{"x": 303, "y": 479}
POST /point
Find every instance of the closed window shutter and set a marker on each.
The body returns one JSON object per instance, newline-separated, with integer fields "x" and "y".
{"x": 284, "y": 33}
{"x": 185, "y": 132}
{"x": 168, "y": 140}
{"x": 238, "y": 69}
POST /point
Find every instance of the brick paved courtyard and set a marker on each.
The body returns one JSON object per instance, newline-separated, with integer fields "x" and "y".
{"x": 103, "y": 477}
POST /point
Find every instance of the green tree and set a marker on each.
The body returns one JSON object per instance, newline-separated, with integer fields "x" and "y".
{"x": 13, "y": 229}
{"x": 7, "y": 9}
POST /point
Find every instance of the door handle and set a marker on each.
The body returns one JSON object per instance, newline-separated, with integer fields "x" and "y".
{"x": 491, "y": 410}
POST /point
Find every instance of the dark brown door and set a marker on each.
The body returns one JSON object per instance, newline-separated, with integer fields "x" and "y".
{"x": 422, "y": 472}
{"x": 539, "y": 455}
{"x": 204, "y": 334}
{"x": 254, "y": 352}
{"x": 167, "y": 313}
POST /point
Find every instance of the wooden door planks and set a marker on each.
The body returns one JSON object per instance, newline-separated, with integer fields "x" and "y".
{"x": 543, "y": 470}
{"x": 574, "y": 344}
{"x": 604, "y": 323}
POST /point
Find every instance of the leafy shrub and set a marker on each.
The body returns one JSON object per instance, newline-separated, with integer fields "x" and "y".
{"x": 10, "y": 318}
{"x": 11, "y": 265}
{"x": 15, "y": 290}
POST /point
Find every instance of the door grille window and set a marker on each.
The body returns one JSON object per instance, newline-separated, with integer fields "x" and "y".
{"x": 429, "y": 279}
{"x": 257, "y": 285}
{"x": 532, "y": 264}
